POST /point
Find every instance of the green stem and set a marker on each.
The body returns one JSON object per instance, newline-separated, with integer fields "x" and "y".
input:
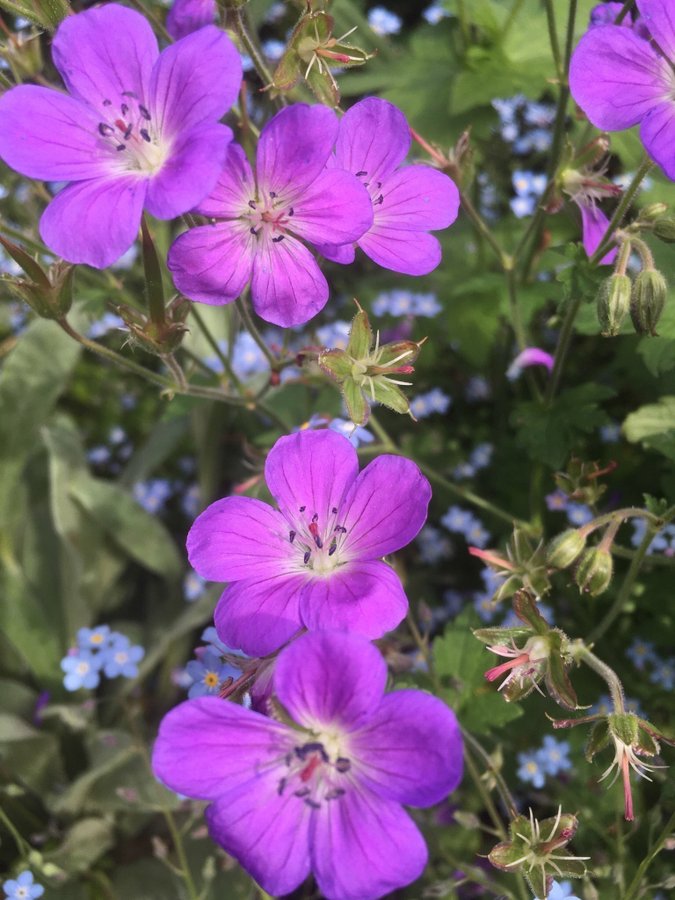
{"x": 620, "y": 211}
{"x": 580, "y": 651}
{"x": 511, "y": 18}
{"x": 569, "y": 36}
{"x": 22, "y": 845}
{"x": 624, "y": 11}
{"x": 181, "y": 854}
{"x": 564, "y": 340}
{"x": 463, "y": 23}
{"x": 252, "y": 329}
{"x": 553, "y": 38}
{"x": 484, "y": 231}
{"x": 241, "y": 26}
{"x": 634, "y": 886}
{"x": 213, "y": 344}
{"x": 173, "y": 366}
{"x": 485, "y": 795}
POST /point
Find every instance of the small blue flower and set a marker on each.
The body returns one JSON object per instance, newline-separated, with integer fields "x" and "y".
{"x": 247, "y": 357}
{"x": 664, "y": 673}
{"x": 557, "y": 500}
{"x": 561, "y": 890}
{"x": 334, "y": 336}
{"x": 82, "y": 670}
{"x": 539, "y": 114}
{"x": 641, "y": 653}
{"x": 477, "y": 388}
{"x": 434, "y": 13}
{"x": 355, "y": 434}
{"x": 492, "y": 580}
{"x": 210, "y": 636}
{"x": 554, "y": 756}
{"x": 463, "y": 470}
{"x": 433, "y": 545}
{"x": 457, "y": 519}
{"x": 93, "y": 638}
{"x": 384, "y": 22}
{"x": 530, "y": 769}
{"x": 481, "y": 455}
{"x": 477, "y": 535}
{"x": 107, "y": 322}
{"x": 484, "y": 606}
{"x": 434, "y": 401}
{"x": 522, "y": 206}
{"x": 273, "y": 49}
{"x": 610, "y": 434}
{"x": 23, "y": 887}
{"x": 193, "y": 586}
{"x": 121, "y": 658}
{"x": 602, "y": 707}
{"x": 426, "y": 305}
{"x": 190, "y": 502}
{"x": 152, "y": 494}
{"x": 99, "y": 455}
{"x": 208, "y": 674}
{"x": 578, "y": 514}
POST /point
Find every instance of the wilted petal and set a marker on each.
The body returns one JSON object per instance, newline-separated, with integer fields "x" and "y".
{"x": 94, "y": 222}
{"x": 266, "y": 832}
{"x": 658, "y": 135}
{"x": 105, "y": 52}
{"x": 239, "y": 537}
{"x": 616, "y": 77}
{"x": 48, "y": 135}
{"x": 418, "y": 198}
{"x": 192, "y": 169}
{"x": 364, "y": 847}
{"x": 195, "y": 80}
{"x": 288, "y": 288}
{"x": 306, "y": 685}
{"x": 374, "y": 139}
{"x": 593, "y": 228}
{"x": 294, "y": 147}
{"x": 212, "y": 263}
{"x": 311, "y": 469}
{"x": 659, "y": 17}
{"x": 411, "y": 253}
{"x": 234, "y": 188}
{"x": 207, "y": 746}
{"x": 385, "y": 508}
{"x": 259, "y": 616}
{"x": 364, "y": 597}
{"x": 410, "y": 751}
{"x": 335, "y": 209}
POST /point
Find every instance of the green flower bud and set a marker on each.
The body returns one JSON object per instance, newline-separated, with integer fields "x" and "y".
{"x": 565, "y": 548}
{"x": 664, "y": 230}
{"x": 647, "y": 301}
{"x": 594, "y": 572}
{"x": 652, "y": 211}
{"x": 613, "y": 303}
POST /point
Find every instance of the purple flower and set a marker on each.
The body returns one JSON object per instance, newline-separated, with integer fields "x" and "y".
{"x": 594, "y": 224}
{"x": 186, "y": 16}
{"x": 557, "y": 500}
{"x": 316, "y": 560}
{"x": 324, "y": 792}
{"x": 408, "y": 201}
{"x": 138, "y": 129}
{"x": 260, "y": 218}
{"x": 620, "y": 80}
{"x": 531, "y": 356}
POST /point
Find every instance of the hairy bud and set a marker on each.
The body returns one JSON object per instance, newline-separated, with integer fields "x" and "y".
{"x": 594, "y": 572}
{"x": 648, "y": 300}
{"x": 613, "y": 303}
{"x": 565, "y": 548}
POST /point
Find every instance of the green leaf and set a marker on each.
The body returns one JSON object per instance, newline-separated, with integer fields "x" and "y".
{"x": 29, "y": 755}
{"x": 653, "y": 426}
{"x": 658, "y": 354}
{"x": 85, "y": 843}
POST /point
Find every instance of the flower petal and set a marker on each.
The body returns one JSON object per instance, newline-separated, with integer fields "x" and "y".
{"x": 363, "y": 847}
{"x": 411, "y": 749}
{"x": 191, "y": 171}
{"x": 659, "y": 17}
{"x": 294, "y": 147}
{"x": 616, "y": 77}
{"x": 266, "y": 832}
{"x": 311, "y": 469}
{"x": 658, "y": 134}
{"x": 374, "y": 139}
{"x": 207, "y": 746}
{"x": 94, "y": 222}
{"x": 408, "y": 252}
{"x": 305, "y": 682}
{"x": 365, "y": 597}
{"x": 195, "y": 80}
{"x": 186, "y": 16}
{"x": 104, "y": 52}
{"x": 258, "y": 617}
{"x": 418, "y": 198}
{"x": 385, "y": 508}
{"x": 234, "y": 188}
{"x": 212, "y": 263}
{"x": 48, "y": 135}
{"x": 288, "y": 288}
{"x": 339, "y": 253}
{"x": 239, "y": 537}
{"x": 593, "y": 227}
{"x": 335, "y": 209}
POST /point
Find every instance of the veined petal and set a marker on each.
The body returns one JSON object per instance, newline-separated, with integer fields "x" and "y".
{"x": 105, "y": 52}
{"x": 293, "y": 149}
{"x": 212, "y": 263}
{"x": 260, "y": 616}
{"x": 48, "y": 135}
{"x": 616, "y": 77}
{"x": 593, "y": 227}
{"x": 335, "y": 209}
{"x": 287, "y": 288}
{"x": 418, "y": 198}
{"x": 266, "y": 832}
{"x": 364, "y": 596}
{"x": 658, "y": 134}
{"x": 363, "y": 847}
{"x": 659, "y": 17}
{"x": 207, "y": 746}
{"x": 339, "y": 253}
{"x": 408, "y": 252}
{"x": 305, "y": 682}
{"x": 239, "y": 537}
{"x": 386, "y": 507}
{"x": 410, "y": 750}
{"x": 195, "y": 80}
{"x": 374, "y": 139}
{"x": 186, "y": 16}
{"x": 233, "y": 190}
{"x": 193, "y": 167}
{"x": 94, "y": 222}
{"x": 311, "y": 470}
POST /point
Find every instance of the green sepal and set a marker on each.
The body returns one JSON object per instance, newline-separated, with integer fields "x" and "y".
{"x": 30, "y": 266}
{"x": 597, "y": 739}
{"x": 514, "y": 692}
{"x": 520, "y": 825}
{"x": 360, "y": 336}
{"x": 572, "y": 868}
{"x": 500, "y": 635}
{"x": 154, "y": 286}
{"x": 357, "y": 405}
{"x": 557, "y": 683}
{"x": 508, "y": 588}
{"x": 540, "y": 883}
{"x": 401, "y": 353}
{"x": 624, "y": 726}
{"x": 336, "y": 363}
{"x": 390, "y": 395}
{"x": 525, "y": 607}
{"x": 504, "y": 855}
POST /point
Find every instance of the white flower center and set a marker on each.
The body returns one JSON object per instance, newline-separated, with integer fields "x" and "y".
{"x": 127, "y": 128}
{"x": 319, "y": 545}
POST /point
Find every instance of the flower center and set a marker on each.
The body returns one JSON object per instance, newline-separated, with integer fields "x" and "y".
{"x": 269, "y": 216}
{"x": 128, "y": 128}
{"x": 320, "y": 546}
{"x": 316, "y": 772}
{"x": 373, "y": 188}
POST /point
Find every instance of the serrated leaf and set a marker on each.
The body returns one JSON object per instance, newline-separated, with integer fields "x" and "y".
{"x": 653, "y": 426}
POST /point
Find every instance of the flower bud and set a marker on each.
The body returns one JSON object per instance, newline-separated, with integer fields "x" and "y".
{"x": 594, "y": 572}
{"x": 664, "y": 230}
{"x": 647, "y": 301}
{"x": 565, "y": 548}
{"x": 652, "y": 211}
{"x": 613, "y": 303}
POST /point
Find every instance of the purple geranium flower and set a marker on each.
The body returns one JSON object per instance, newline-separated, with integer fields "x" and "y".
{"x": 620, "y": 80}
{"x": 186, "y": 16}
{"x": 324, "y": 792}
{"x": 316, "y": 560}
{"x": 408, "y": 201}
{"x": 138, "y": 129}
{"x": 259, "y": 219}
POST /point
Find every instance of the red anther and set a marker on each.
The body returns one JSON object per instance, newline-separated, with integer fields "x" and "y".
{"x": 310, "y": 768}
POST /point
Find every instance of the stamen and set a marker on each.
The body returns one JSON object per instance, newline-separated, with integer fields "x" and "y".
{"x": 144, "y": 112}
{"x": 379, "y": 200}
{"x": 144, "y": 134}
{"x": 124, "y": 108}
{"x": 359, "y": 174}
{"x": 291, "y": 211}
{"x": 252, "y": 230}
{"x": 282, "y": 786}
{"x": 105, "y": 130}
{"x": 333, "y": 548}
{"x": 120, "y": 147}
{"x": 342, "y": 764}
{"x": 334, "y": 793}
{"x": 334, "y": 510}
{"x": 302, "y": 792}
{"x": 278, "y": 240}
{"x": 107, "y": 102}
{"x": 303, "y": 508}
{"x": 312, "y": 803}
{"x": 251, "y": 203}
{"x": 273, "y": 195}
{"x": 307, "y": 556}
{"x": 130, "y": 94}
{"x": 291, "y": 536}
